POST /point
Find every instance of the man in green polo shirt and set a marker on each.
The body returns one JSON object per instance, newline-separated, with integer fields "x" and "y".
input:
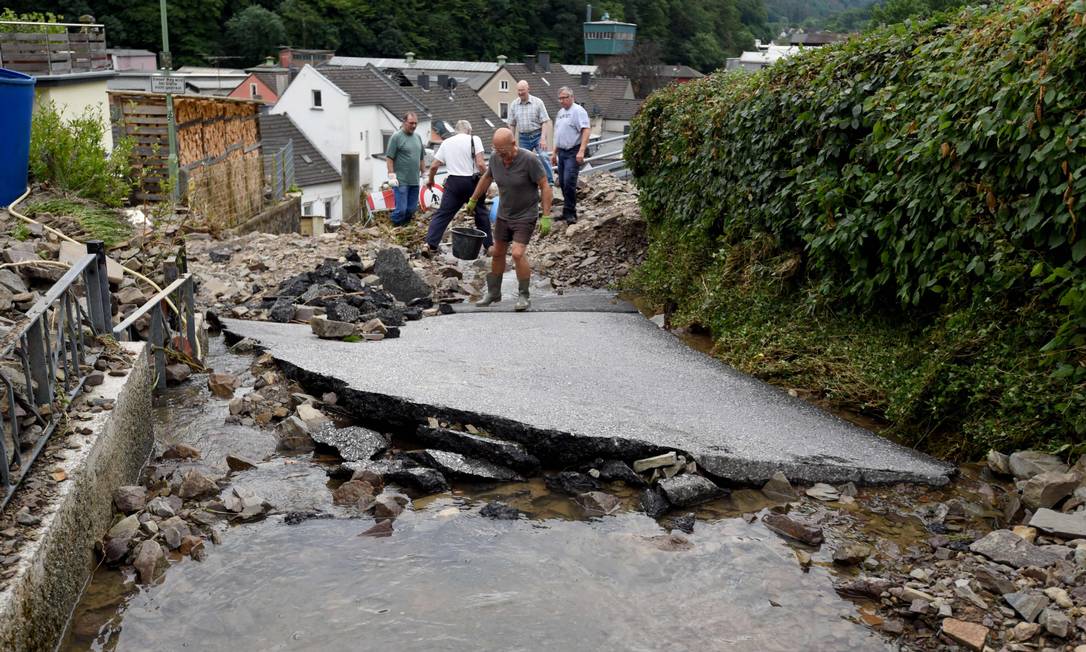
{"x": 404, "y": 159}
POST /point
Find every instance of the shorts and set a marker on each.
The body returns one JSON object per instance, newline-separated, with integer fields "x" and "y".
{"x": 506, "y": 231}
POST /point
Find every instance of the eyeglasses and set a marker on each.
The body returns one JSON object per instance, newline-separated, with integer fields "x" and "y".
{"x": 565, "y": 97}
{"x": 411, "y": 123}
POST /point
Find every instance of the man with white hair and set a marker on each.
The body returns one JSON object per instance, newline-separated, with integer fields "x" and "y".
{"x": 572, "y": 129}
{"x": 528, "y": 115}
{"x": 462, "y": 156}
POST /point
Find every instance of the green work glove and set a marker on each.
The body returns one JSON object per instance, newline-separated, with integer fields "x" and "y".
{"x": 545, "y": 225}
{"x": 470, "y": 207}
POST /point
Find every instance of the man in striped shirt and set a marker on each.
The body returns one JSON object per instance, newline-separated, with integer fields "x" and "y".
{"x": 528, "y": 115}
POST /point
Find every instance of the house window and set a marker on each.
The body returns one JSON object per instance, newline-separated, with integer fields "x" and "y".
{"x": 625, "y": 129}
{"x": 307, "y": 208}
{"x": 328, "y": 208}
{"x": 503, "y": 85}
{"x": 317, "y": 99}
{"x": 503, "y": 110}
{"x": 386, "y": 136}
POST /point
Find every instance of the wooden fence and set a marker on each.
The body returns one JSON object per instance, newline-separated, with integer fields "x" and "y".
{"x": 218, "y": 151}
{"x": 41, "y": 49}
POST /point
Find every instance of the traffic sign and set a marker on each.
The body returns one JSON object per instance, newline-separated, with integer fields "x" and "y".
{"x": 167, "y": 84}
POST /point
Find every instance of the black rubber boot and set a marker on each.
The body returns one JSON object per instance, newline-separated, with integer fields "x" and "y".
{"x": 523, "y": 301}
{"x": 493, "y": 290}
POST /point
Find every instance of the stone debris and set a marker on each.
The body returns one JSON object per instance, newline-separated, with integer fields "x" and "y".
{"x": 498, "y": 451}
{"x": 667, "y": 459}
{"x": 792, "y": 528}
{"x": 330, "y": 329}
{"x": 1026, "y": 464}
{"x": 129, "y": 498}
{"x": 1048, "y": 488}
{"x": 461, "y": 467}
{"x": 1005, "y": 547}
{"x": 572, "y": 483}
{"x": 653, "y": 502}
{"x": 824, "y": 492}
{"x": 779, "y": 489}
{"x": 598, "y": 503}
{"x": 353, "y": 443}
{"x": 971, "y": 635}
{"x": 222, "y": 385}
{"x": 500, "y": 511}
{"x": 686, "y": 490}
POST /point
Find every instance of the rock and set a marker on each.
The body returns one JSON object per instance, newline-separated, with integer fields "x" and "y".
{"x": 1027, "y": 533}
{"x": 350, "y": 492}
{"x": 354, "y": 443}
{"x": 1025, "y": 631}
{"x": 459, "y": 466}
{"x": 162, "y": 507}
{"x": 1028, "y": 604}
{"x": 1060, "y": 597}
{"x": 619, "y": 471}
{"x": 571, "y": 482}
{"x": 386, "y": 506}
{"x": 282, "y": 310}
{"x": 971, "y": 635}
{"x": 172, "y": 537}
{"x": 862, "y": 588}
{"x": 851, "y": 554}
{"x": 1005, "y": 547}
{"x": 129, "y": 498}
{"x": 246, "y": 505}
{"x": 313, "y": 418}
{"x": 189, "y": 544}
{"x": 196, "y": 484}
{"x": 13, "y": 282}
{"x": 1026, "y": 464}
{"x": 342, "y": 311}
{"x": 498, "y": 451}
{"x": 1048, "y": 488}
{"x": 909, "y": 594}
{"x": 125, "y": 529}
{"x": 500, "y": 511}
{"x": 824, "y": 492}
{"x": 398, "y": 277}
{"x": 962, "y": 588}
{"x": 149, "y": 557}
{"x": 1056, "y": 623}
{"x": 686, "y": 490}
{"x": 220, "y": 255}
{"x": 787, "y": 526}
{"x": 667, "y": 459}
{"x": 177, "y": 373}
{"x": 684, "y": 523}
{"x": 293, "y": 435}
{"x": 654, "y": 503}
{"x": 779, "y": 489}
{"x": 181, "y": 452}
{"x": 427, "y": 481}
{"x": 993, "y": 580}
{"x": 327, "y": 329}
{"x": 999, "y": 463}
{"x": 375, "y": 326}
{"x": 115, "y": 551}
{"x": 598, "y": 503}
{"x": 237, "y": 463}
{"x": 222, "y": 385}
{"x": 381, "y": 529}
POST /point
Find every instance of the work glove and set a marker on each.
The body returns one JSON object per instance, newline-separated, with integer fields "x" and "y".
{"x": 469, "y": 208}
{"x": 545, "y": 225}
{"x": 392, "y": 180}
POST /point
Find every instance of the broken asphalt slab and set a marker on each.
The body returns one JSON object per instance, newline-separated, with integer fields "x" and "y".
{"x": 572, "y": 386}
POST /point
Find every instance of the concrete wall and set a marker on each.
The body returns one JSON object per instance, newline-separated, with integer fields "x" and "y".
{"x": 284, "y": 217}
{"x": 53, "y": 569}
{"x": 73, "y": 97}
{"x": 321, "y": 193}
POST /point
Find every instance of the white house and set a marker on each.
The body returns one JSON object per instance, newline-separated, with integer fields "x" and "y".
{"x": 343, "y": 110}
{"x": 314, "y": 175}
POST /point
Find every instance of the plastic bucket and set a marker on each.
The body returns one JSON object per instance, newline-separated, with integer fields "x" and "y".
{"x": 17, "y": 100}
{"x": 467, "y": 242}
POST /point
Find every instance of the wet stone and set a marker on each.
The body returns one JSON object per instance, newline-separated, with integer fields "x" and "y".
{"x": 196, "y": 484}
{"x": 459, "y": 466}
{"x": 793, "y": 528}
{"x": 222, "y": 385}
{"x": 149, "y": 557}
{"x": 383, "y": 528}
{"x": 386, "y": 506}
{"x": 824, "y": 492}
{"x": 571, "y": 482}
{"x": 653, "y": 502}
{"x": 116, "y": 550}
{"x": 851, "y": 554}
{"x": 598, "y": 503}
{"x": 294, "y": 436}
{"x": 163, "y": 507}
{"x": 427, "y": 481}
{"x": 500, "y": 511}
{"x": 354, "y": 443}
{"x": 130, "y": 498}
{"x": 685, "y": 523}
{"x": 125, "y": 529}
{"x": 999, "y": 463}
{"x": 779, "y": 489}
{"x": 177, "y": 372}
{"x": 181, "y": 452}
{"x": 498, "y": 451}
{"x": 237, "y": 463}
{"x": 350, "y": 492}
{"x": 686, "y": 490}
{"x": 619, "y": 471}
{"x": 1005, "y": 547}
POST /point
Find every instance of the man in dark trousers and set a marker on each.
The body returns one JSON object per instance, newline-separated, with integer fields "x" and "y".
{"x": 571, "y": 132}
{"x": 462, "y": 156}
{"x": 521, "y": 182}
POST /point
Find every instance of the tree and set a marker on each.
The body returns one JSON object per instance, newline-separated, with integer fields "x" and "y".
{"x": 254, "y": 33}
{"x": 641, "y": 66}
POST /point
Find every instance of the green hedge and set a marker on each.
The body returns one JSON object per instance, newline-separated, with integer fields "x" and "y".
{"x": 928, "y": 175}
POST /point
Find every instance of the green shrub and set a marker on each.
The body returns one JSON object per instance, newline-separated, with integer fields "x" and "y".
{"x": 95, "y": 222}
{"x": 927, "y": 175}
{"x": 68, "y": 153}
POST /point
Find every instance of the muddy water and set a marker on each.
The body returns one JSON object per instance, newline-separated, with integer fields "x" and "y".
{"x": 448, "y": 579}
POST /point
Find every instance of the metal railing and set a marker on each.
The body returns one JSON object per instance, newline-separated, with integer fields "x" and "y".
{"x": 53, "y": 48}
{"x": 280, "y": 167}
{"x": 610, "y": 161}
{"x": 166, "y": 319}
{"x": 50, "y": 349}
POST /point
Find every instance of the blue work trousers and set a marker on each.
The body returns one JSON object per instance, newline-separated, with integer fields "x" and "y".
{"x": 407, "y": 202}
{"x": 530, "y": 142}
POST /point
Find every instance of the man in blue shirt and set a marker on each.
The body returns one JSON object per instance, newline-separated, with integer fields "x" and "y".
{"x": 571, "y": 131}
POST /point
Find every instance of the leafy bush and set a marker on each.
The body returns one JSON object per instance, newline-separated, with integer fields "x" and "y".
{"x": 927, "y": 174}
{"x": 69, "y": 154}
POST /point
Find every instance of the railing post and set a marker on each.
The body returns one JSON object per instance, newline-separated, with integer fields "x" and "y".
{"x": 158, "y": 342}
{"x": 39, "y": 363}
{"x": 190, "y": 313}
{"x": 98, "y": 248}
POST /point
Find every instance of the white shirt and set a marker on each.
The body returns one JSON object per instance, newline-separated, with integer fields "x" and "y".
{"x": 455, "y": 153}
{"x": 568, "y": 125}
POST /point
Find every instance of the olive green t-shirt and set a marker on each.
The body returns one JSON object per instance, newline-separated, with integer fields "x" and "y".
{"x": 518, "y": 185}
{"x": 405, "y": 152}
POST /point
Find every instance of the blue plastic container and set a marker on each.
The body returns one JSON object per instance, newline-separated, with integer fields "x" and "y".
{"x": 494, "y": 210}
{"x": 16, "y": 105}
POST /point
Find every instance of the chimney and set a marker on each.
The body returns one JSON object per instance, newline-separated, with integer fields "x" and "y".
{"x": 529, "y": 61}
{"x": 586, "y": 77}
{"x": 502, "y": 59}
{"x": 286, "y": 57}
{"x": 424, "y": 82}
{"x": 544, "y": 61}
{"x": 442, "y": 81}
{"x": 409, "y": 58}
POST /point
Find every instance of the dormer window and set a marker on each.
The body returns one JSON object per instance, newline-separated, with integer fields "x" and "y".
{"x": 317, "y": 99}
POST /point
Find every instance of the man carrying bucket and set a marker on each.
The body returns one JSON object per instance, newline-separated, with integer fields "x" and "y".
{"x": 521, "y": 181}
{"x": 462, "y": 156}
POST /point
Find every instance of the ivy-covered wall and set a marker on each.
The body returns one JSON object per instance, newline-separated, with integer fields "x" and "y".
{"x": 923, "y": 181}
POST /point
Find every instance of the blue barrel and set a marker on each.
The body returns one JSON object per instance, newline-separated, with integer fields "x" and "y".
{"x": 17, "y": 100}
